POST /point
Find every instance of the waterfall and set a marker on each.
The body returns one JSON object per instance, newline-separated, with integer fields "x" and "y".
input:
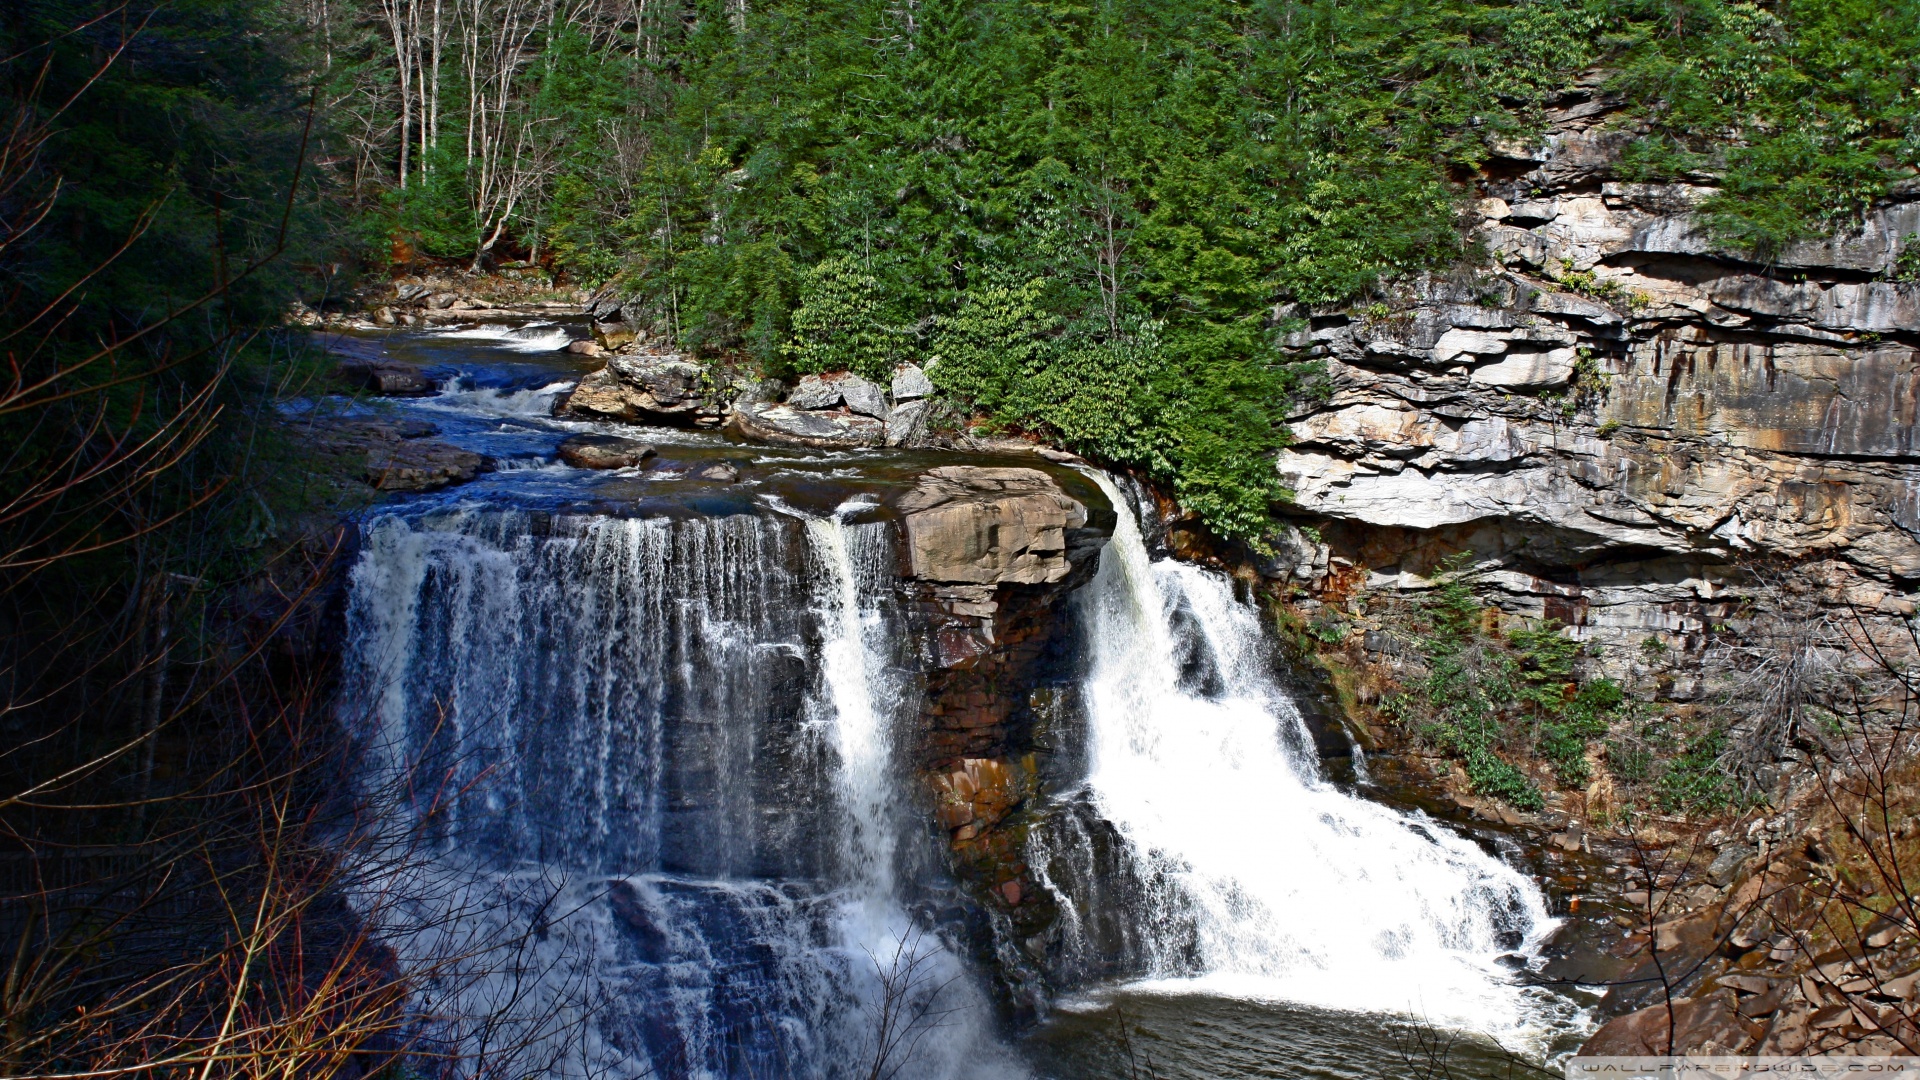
{"x": 639, "y": 787}
{"x": 861, "y": 732}
{"x": 917, "y": 998}
{"x": 1255, "y": 877}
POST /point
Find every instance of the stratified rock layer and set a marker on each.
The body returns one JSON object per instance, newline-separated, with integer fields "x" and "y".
{"x": 1621, "y": 416}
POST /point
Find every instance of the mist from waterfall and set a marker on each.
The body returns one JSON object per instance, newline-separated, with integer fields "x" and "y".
{"x": 1256, "y": 877}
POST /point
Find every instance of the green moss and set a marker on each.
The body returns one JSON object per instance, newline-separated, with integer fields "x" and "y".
{"x": 1906, "y": 269}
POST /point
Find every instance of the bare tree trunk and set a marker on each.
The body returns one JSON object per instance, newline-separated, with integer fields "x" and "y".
{"x": 472, "y": 62}
{"x": 396, "y": 14}
{"x": 433, "y": 100}
{"x": 419, "y": 58}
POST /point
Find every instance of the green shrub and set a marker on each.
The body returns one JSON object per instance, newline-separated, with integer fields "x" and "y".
{"x": 998, "y": 341}
{"x": 1492, "y": 776}
{"x": 839, "y": 325}
{"x": 1484, "y": 700}
{"x": 1694, "y": 779}
{"x": 1906, "y": 269}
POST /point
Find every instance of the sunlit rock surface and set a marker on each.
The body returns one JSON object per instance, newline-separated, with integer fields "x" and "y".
{"x": 989, "y": 526}
{"x": 1621, "y": 411}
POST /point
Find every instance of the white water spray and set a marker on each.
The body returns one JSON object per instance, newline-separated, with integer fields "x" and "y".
{"x": 898, "y": 969}
{"x": 495, "y": 403}
{"x": 530, "y": 338}
{"x": 1264, "y": 880}
{"x": 857, "y": 727}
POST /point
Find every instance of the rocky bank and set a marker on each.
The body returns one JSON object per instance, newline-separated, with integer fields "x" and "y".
{"x": 1699, "y": 461}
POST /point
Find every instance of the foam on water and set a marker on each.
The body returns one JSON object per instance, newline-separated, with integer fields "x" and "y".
{"x": 534, "y": 337}
{"x": 460, "y": 395}
{"x": 1265, "y": 881}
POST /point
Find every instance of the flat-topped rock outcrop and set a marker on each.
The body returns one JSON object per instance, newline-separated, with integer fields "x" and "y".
{"x": 989, "y": 526}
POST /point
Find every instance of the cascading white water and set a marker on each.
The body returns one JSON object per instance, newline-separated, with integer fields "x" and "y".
{"x": 529, "y": 338}
{"x": 583, "y": 735}
{"x": 1263, "y": 880}
{"x": 638, "y": 825}
{"x": 859, "y": 730}
{"x": 460, "y": 396}
{"x": 900, "y": 972}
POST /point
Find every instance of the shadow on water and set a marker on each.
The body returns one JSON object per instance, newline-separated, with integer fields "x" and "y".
{"x": 1129, "y": 1035}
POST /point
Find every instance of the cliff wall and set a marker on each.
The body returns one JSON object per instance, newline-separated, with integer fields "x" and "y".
{"x": 1626, "y": 422}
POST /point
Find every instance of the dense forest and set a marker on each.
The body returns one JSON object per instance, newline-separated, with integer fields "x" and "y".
{"x": 1095, "y": 215}
{"x": 1097, "y": 221}
{"x": 1099, "y": 218}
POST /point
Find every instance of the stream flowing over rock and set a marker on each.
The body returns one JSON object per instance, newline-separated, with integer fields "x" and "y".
{"x": 677, "y": 767}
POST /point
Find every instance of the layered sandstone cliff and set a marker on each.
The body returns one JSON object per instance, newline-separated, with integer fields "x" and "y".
{"x": 1620, "y": 416}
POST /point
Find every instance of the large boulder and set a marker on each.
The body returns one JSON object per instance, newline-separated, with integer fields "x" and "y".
{"x": 817, "y": 392}
{"x": 646, "y": 389}
{"x": 398, "y": 456}
{"x": 603, "y": 451}
{"x": 614, "y": 335}
{"x": 910, "y": 383}
{"x": 363, "y": 364}
{"x": 907, "y": 423}
{"x": 863, "y": 397}
{"x": 989, "y": 526}
{"x": 423, "y": 466}
{"x": 389, "y": 378}
{"x": 785, "y": 425}
{"x": 1705, "y": 1025}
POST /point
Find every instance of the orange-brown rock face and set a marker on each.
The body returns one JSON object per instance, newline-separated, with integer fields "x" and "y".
{"x": 974, "y": 794}
{"x": 993, "y": 555}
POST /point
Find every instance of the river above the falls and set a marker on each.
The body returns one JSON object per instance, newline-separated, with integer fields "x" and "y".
{"x": 643, "y": 726}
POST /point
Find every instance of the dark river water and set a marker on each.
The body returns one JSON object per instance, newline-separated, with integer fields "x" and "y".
{"x": 1130, "y": 1034}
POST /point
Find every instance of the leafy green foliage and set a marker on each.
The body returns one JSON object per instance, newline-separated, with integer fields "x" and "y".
{"x": 1694, "y": 780}
{"x": 436, "y": 208}
{"x": 840, "y": 324}
{"x": 1806, "y": 110}
{"x": 1484, "y": 700}
{"x": 1907, "y": 268}
{"x": 1675, "y": 762}
{"x": 1088, "y": 212}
